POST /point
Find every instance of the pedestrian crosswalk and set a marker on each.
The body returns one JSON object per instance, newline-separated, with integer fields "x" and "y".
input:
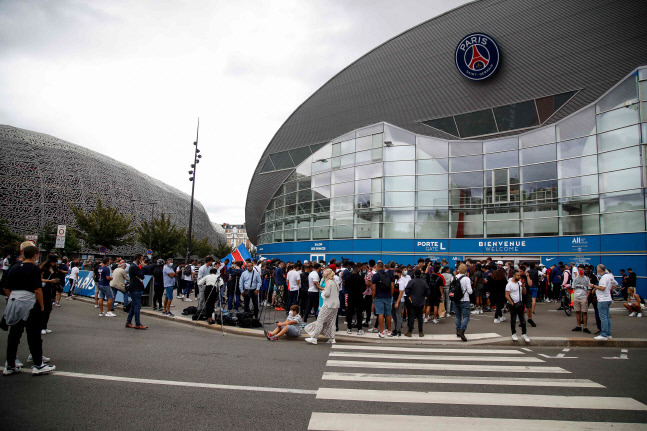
{"x": 456, "y": 384}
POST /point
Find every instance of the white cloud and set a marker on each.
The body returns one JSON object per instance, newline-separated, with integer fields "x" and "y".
{"x": 129, "y": 79}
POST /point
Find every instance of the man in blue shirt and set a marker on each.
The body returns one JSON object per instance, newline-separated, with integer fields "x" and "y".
{"x": 105, "y": 292}
{"x": 250, "y": 282}
{"x": 556, "y": 280}
{"x": 169, "y": 283}
{"x": 135, "y": 289}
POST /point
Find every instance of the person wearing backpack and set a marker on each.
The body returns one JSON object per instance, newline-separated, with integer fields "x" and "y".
{"x": 188, "y": 274}
{"x": 382, "y": 299}
{"x": 416, "y": 290}
{"x": 460, "y": 291}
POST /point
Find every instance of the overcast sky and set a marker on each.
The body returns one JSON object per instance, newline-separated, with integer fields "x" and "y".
{"x": 130, "y": 78}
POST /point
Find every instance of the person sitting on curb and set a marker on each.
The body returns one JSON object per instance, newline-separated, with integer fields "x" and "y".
{"x": 633, "y": 303}
{"x": 291, "y": 326}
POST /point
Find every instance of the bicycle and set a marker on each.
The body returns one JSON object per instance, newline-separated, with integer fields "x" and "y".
{"x": 567, "y": 301}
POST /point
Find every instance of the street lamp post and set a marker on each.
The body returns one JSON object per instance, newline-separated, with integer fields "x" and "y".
{"x": 150, "y": 231}
{"x": 196, "y": 159}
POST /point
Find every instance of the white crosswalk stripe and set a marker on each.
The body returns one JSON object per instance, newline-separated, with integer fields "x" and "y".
{"x": 400, "y": 367}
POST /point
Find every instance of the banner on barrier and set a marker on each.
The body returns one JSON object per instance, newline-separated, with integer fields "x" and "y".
{"x": 85, "y": 286}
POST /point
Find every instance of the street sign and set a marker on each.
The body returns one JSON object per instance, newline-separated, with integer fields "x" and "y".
{"x": 60, "y": 230}
{"x": 32, "y": 238}
{"x": 60, "y": 242}
{"x": 102, "y": 250}
{"x": 149, "y": 252}
{"x": 60, "y": 236}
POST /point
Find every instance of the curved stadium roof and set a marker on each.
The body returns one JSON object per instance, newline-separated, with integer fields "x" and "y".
{"x": 548, "y": 47}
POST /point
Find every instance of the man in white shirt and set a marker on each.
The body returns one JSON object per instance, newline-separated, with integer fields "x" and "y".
{"x": 294, "y": 282}
{"x": 188, "y": 280}
{"x": 514, "y": 292}
{"x": 313, "y": 290}
{"x": 202, "y": 273}
{"x": 399, "y": 301}
{"x": 74, "y": 279}
{"x": 603, "y": 294}
{"x": 463, "y": 308}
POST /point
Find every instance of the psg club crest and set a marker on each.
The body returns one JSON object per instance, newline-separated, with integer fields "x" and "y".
{"x": 477, "y": 56}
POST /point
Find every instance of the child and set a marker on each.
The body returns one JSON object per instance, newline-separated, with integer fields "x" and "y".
{"x": 633, "y": 304}
{"x": 291, "y": 326}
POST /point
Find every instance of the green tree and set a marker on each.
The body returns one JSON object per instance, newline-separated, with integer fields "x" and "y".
{"x": 72, "y": 244}
{"x": 47, "y": 238}
{"x": 252, "y": 250}
{"x": 200, "y": 247}
{"x": 103, "y": 226}
{"x": 222, "y": 250}
{"x": 163, "y": 236}
{"x": 9, "y": 241}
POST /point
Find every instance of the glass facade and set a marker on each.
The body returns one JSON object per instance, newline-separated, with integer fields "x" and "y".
{"x": 582, "y": 175}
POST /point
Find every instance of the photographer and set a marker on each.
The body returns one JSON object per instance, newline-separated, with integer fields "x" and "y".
{"x": 250, "y": 283}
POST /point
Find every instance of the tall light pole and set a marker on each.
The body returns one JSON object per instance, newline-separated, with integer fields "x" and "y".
{"x": 196, "y": 159}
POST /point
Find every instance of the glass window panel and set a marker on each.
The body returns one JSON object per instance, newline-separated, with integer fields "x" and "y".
{"x": 290, "y": 187}
{"x": 577, "y": 147}
{"x": 399, "y": 168}
{"x": 541, "y": 210}
{"x": 497, "y": 229}
{"x": 342, "y": 203}
{"x": 501, "y": 145}
{"x": 402, "y": 183}
{"x": 577, "y": 125}
{"x": 348, "y": 147}
{"x": 516, "y": 116}
{"x": 618, "y": 118}
{"x": 376, "y": 192}
{"x": 377, "y": 140}
{"x": 341, "y": 217}
{"x": 620, "y": 159}
{"x": 465, "y": 148}
{"x": 282, "y": 160}
{"x": 580, "y": 225}
{"x": 376, "y": 154}
{"x": 545, "y": 135}
{"x": 368, "y": 171}
{"x": 336, "y": 149}
{"x": 398, "y": 215}
{"x": 323, "y": 152}
{"x": 466, "y": 215}
{"x": 547, "y": 106}
{"x": 625, "y": 201}
{"x": 304, "y": 170}
{"x": 626, "y": 179}
{"x": 399, "y": 199}
{"x": 432, "y": 215}
{"x": 320, "y": 165}
{"x": 363, "y": 186}
{"x": 299, "y": 154}
{"x": 445, "y": 124}
{"x": 267, "y": 166}
{"x": 579, "y": 206}
{"x": 540, "y": 227}
{"x": 466, "y": 198}
{"x": 466, "y": 229}
{"x": 469, "y": 163}
{"x": 320, "y": 179}
{"x": 398, "y": 136}
{"x": 368, "y": 216}
{"x": 321, "y": 232}
{"x": 321, "y": 206}
{"x": 643, "y": 114}
{"x": 430, "y": 147}
{"x": 544, "y": 153}
{"x": 540, "y": 191}
{"x": 362, "y": 201}
{"x": 320, "y": 192}
{"x": 476, "y": 123}
{"x": 347, "y": 160}
{"x": 369, "y": 130}
{"x": 577, "y": 186}
{"x": 336, "y": 162}
{"x": 304, "y": 195}
{"x": 343, "y": 189}
{"x": 625, "y": 92}
{"x": 399, "y": 153}
{"x": 371, "y": 230}
{"x": 303, "y": 234}
{"x": 363, "y": 157}
{"x": 432, "y": 166}
{"x": 620, "y": 138}
{"x": 433, "y": 198}
{"x": 502, "y": 213}
{"x": 290, "y": 210}
{"x": 343, "y": 175}
{"x": 397, "y": 230}
{"x": 643, "y": 88}
{"x": 432, "y": 230}
{"x": 304, "y": 208}
{"x": 316, "y": 147}
{"x": 540, "y": 172}
{"x": 501, "y": 160}
{"x": 633, "y": 221}
{"x": 433, "y": 182}
{"x": 364, "y": 143}
{"x": 466, "y": 180}
{"x": 279, "y": 201}
{"x": 578, "y": 167}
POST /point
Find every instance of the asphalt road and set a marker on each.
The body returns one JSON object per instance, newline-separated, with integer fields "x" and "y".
{"x": 292, "y": 385}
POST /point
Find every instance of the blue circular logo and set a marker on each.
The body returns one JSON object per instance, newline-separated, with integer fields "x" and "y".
{"x": 477, "y": 56}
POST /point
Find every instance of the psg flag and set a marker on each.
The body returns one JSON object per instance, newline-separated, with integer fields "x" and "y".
{"x": 240, "y": 254}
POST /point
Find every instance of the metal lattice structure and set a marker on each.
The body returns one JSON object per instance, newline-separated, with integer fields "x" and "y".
{"x": 40, "y": 175}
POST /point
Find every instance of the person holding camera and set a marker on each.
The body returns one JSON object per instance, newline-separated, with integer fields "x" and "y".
{"x": 51, "y": 280}
{"x": 250, "y": 283}
{"x": 514, "y": 295}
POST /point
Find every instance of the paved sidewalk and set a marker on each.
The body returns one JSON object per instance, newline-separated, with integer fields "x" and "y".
{"x": 554, "y": 328}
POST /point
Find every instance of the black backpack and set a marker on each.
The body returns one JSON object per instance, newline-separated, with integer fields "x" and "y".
{"x": 187, "y": 270}
{"x": 384, "y": 283}
{"x": 456, "y": 290}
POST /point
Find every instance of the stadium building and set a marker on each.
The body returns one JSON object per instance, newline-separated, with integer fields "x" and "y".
{"x": 40, "y": 176}
{"x": 501, "y": 128}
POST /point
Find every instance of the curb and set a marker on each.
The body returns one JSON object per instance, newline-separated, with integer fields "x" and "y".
{"x": 501, "y": 341}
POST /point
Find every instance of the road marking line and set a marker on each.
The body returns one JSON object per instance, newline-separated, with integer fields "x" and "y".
{"x": 482, "y": 398}
{"x": 435, "y": 357}
{"x": 427, "y": 349}
{"x": 361, "y": 422}
{"x": 446, "y": 367}
{"x": 525, "y": 349}
{"x": 467, "y": 380}
{"x": 186, "y": 384}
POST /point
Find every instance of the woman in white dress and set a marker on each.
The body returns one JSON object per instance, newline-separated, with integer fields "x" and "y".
{"x": 325, "y": 323}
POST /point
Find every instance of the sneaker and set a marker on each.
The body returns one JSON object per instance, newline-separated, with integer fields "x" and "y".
{"x": 515, "y": 337}
{"x": 274, "y": 338}
{"x": 426, "y": 320}
{"x": 632, "y": 314}
{"x": 639, "y": 315}
{"x": 461, "y": 334}
{"x": 577, "y": 329}
{"x": 69, "y": 297}
{"x": 586, "y": 330}
{"x": 532, "y": 323}
{"x": 408, "y": 334}
{"x": 525, "y": 338}
{"x": 311, "y": 340}
{"x": 360, "y": 332}
{"x": 373, "y": 330}
{"x": 163, "y": 313}
{"x": 20, "y": 364}
{"x": 110, "y": 314}
{"x": 155, "y": 308}
{"x": 43, "y": 332}
{"x": 600, "y": 338}
{"x": 609, "y": 337}
{"x": 10, "y": 370}
{"x": 57, "y": 304}
{"x": 188, "y": 300}
{"x": 497, "y": 321}
{"x": 96, "y": 306}
{"x": 267, "y": 334}
{"x": 331, "y": 341}
{"x": 388, "y": 332}
{"x": 30, "y": 359}
{"x": 502, "y": 319}
{"x": 37, "y": 370}
{"x": 422, "y": 334}
{"x": 101, "y": 314}
{"x": 475, "y": 312}
{"x": 349, "y": 332}
{"x": 381, "y": 334}
{"x": 169, "y": 314}
{"x": 435, "y": 321}
{"x": 393, "y": 334}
